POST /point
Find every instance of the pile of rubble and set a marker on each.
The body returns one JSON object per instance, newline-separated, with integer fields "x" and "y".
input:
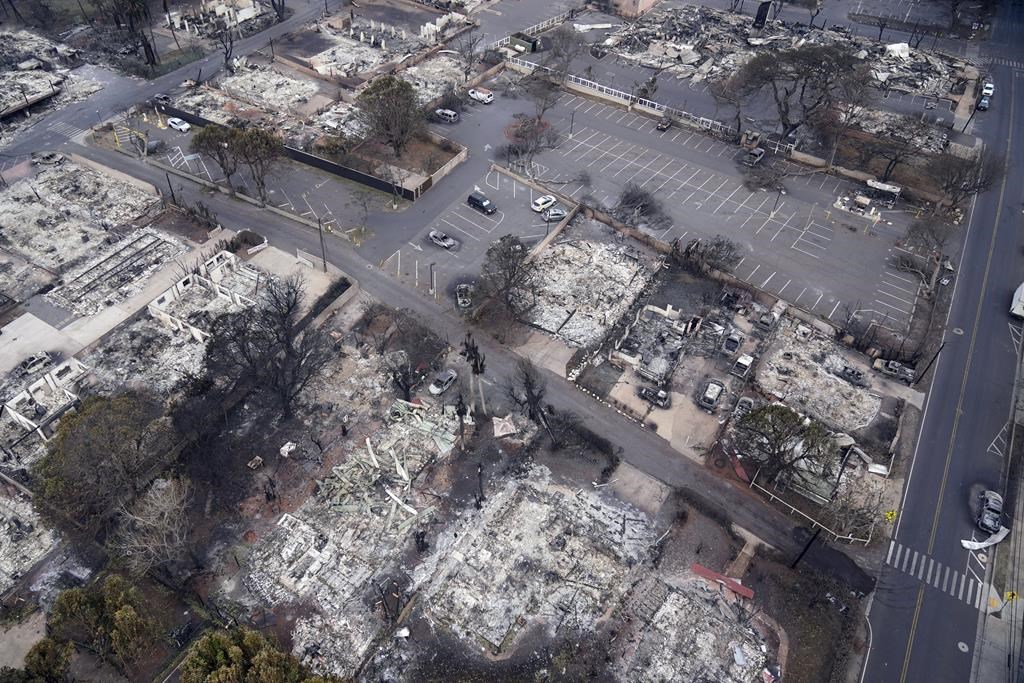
{"x": 433, "y": 76}
{"x": 329, "y": 552}
{"x": 65, "y": 215}
{"x": 537, "y": 552}
{"x": 697, "y": 634}
{"x": 585, "y": 287}
{"x": 269, "y": 89}
{"x": 361, "y": 47}
{"x": 216, "y": 106}
{"x": 802, "y": 369}
{"x": 23, "y": 538}
{"x": 116, "y": 274}
{"x": 693, "y": 42}
{"x": 882, "y": 123}
{"x": 342, "y": 118}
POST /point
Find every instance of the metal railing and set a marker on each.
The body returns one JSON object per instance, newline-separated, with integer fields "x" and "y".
{"x": 814, "y": 523}
{"x": 535, "y": 29}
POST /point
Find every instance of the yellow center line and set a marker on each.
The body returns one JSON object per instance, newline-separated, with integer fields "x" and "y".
{"x": 963, "y": 384}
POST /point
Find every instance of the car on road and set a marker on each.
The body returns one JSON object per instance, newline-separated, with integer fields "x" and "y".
{"x": 443, "y": 382}
{"x": 753, "y": 157}
{"x": 480, "y": 202}
{"x": 179, "y": 125}
{"x": 442, "y": 240}
{"x": 554, "y": 214}
{"x": 47, "y": 158}
{"x": 656, "y": 397}
{"x": 541, "y": 203}
{"x": 664, "y": 124}
{"x": 990, "y": 511}
{"x": 988, "y": 90}
{"x": 161, "y": 98}
{"x": 984, "y": 103}
{"x": 464, "y": 295}
{"x": 711, "y": 395}
{"x": 446, "y": 115}
{"x": 481, "y": 95}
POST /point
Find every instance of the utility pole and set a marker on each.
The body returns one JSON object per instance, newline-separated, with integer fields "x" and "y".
{"x": 173, "y": 198}
{"x": 806, "y": 548}
{"x": 928, "y": 367}
{"x": 323, "y": 245}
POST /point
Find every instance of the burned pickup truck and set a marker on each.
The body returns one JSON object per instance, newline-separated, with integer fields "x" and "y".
{"x": 896, "y": 370}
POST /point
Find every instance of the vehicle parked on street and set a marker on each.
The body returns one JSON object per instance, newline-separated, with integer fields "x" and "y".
{"x": 988, "y": 90}
{"x": 541, "y": 203}
{"x": 179, "y": 125}
{"x": 990, "y": 512}
{"x": 983, "y": 104}
{"x": 480, "y": 202}
{"x": 442, "y": 240}
{"x": 443, "y": 382}
{"x": 481, "y": 95}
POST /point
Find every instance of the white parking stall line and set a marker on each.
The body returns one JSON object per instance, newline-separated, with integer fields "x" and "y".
{"x": 899, "y": 277}
{"x": 624, "y": 115}
{"x": 893, "y": 296}
{"x": 683, "y": 184}
{"x": 783, "y": 227}
{"x": 688, "y": 139}
{"x": 587, "y": 110}
{"x": 756, "y": 268}
{"x": 642, "y": 168}
{"x": 816, "y": 301}
{"x": 893, "y": 307}
{"x": 455, "y": 227}
{"x": 580, "y": 141}
{"x": 671, "y": 177}
{"x": 805, "y": 253}
{"x": 658, "y": 173}
{"x": 783, "y": 288}
{"x": 769, "y": 279}
{"x": 618, "y": 158}
{"x": 724, "y": 201}
{"x": 797, "y": 299}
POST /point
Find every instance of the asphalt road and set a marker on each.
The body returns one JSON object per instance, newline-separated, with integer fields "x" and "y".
{"x": 925, "y": 613}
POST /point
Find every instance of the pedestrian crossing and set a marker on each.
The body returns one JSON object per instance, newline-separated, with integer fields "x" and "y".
{"x": 66, "y": 129}
{"x": 1002, "y": 61}
{"x": 957, "y": 584}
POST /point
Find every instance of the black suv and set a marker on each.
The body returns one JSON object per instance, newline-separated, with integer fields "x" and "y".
{"x": 481, "y": 203}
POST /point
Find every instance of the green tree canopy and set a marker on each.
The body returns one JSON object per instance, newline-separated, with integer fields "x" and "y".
{"x": 243, "y": 656}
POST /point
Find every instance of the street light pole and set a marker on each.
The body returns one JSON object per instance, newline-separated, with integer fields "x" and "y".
{"x": 323, "y": 245}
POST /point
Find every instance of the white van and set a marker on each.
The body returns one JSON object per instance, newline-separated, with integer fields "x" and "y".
{"x": 446, "y": 115}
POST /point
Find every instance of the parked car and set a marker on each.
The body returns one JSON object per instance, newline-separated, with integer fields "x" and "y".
{"x": 896, "y": 370}
{"x": 464, "y": 295}
{"x": 35, "y": 363}
{"x": 446, "y": 115}
{"x": 541, "y": 203}
{"x": 743, "y": 406}
{"x": 732, "y": 343}
{"x": 988, "y": 90}
{"x": 442, "y": 240}
{"x": 664, "y": 124}
{"x": 554, "y": 214}
{"x": 656, "y": 397}
{"x": 711, "y": 395}
{"x": 480, "y": 202}
{"x": 443, "y": 382}
{"x": 742, "y": 366}
{"x": 983, "y": 104}
{"x": 179, "y": 124}
{"x": 481, "y": 95}
{"x": 990, "y": 511}
{"x": 753, "y": 157}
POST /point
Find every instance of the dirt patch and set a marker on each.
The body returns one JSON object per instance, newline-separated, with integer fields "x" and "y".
{"x": 819, "y": 629}
{"x": 421, "y": 155}
{"x": 17, "y": 639}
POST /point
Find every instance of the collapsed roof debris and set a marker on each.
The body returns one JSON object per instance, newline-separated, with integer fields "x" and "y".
{"x": 803, "y": 370}
{"x": 329, "y": 551}
{"x": 65, "y": 215}
{"x": 23, "y": 538}
{"x": 703, "y": 43}
{"x": 696, "y": 633}
{"x": 585, "y": 287}
{"x": 537, "y": 552}
{"x": 361, "y": 47}
{"x": 273, "y": 91}
{"x": 30, "y": 69}
{"x": 432, "y": 76}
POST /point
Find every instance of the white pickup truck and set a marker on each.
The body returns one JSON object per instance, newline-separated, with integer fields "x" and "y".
{"x": 1017, "y": 305}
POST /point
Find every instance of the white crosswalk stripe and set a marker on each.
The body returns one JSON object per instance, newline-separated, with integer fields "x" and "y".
{"x": 66, "y": 129}
{"x": 959, "y": 585}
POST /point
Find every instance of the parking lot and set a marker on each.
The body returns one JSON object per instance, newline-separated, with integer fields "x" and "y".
{"x": 796, "y": 245}
{"x": 434, "y": 271}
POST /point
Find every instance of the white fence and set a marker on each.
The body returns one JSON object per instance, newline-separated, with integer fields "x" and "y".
{"x": 815, "y": 524}
{"x": 535, "y": 29}
{"x": 630, "y": 99}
